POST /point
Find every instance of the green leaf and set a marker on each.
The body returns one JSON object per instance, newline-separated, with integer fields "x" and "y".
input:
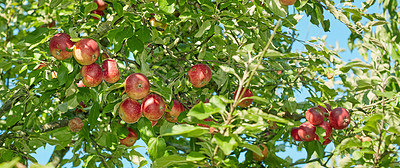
{"x": 195, "y": 156}
{"x": 226, "y": 143}
{"x": 202, "y": 111}
{"x": 15, "y": 115}
{"x": 118, "y": 8}
{"x": 94, "y": 114}
{"x": 156, "y": 148}
{"x": 166, "y": 6}
{"x": 184, "y": 130}
{"x": 146, "y": 129}
{"x": 55, "y": 3}
{"x": 115, "y": 86}
{"x": 137, "y": 158}
{"x": 204, "y": 27}
{"x": 135, "y": 45}
{"x": 253, "y": 148}
{"x": 90, "y": 7}
{"x": 347, "y": 143}
{"x": 168, "y": 161}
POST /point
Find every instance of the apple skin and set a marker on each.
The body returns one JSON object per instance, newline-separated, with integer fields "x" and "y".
{"x": 78, "y": 110}
{"x": 339, "y": 118}
{"x": 101, "y": 5}
{"x": 264, "y": 151}
{"x": 307, "y": 131}
{"x": 199, "y": 75}
{"x": 130, "y": 139}
{"x": 58, "y": 44}
{"x": 110, "y": 70}
{"x": 153, "y": 123}
{"x": 176, "y": 109}
{"x": 75, "y": 124}
{"x": 327, "y": 141}
{"x": 130, "y": 111}
{"x": 86, "y": 51}
{"x": 287, "y": 2}
{"x": 315, "y": 115}
{"x": 211, "y": 129}
{"x": 137, "y": 86}
{"x": 247, "y": 102}
{"x": 328, "y": 129}
{"x": 101, "y": 13}
{"x": 295, "y": 134}
{"x": 92, "y": 75}
{"x": 153, "y": 107}
{"x": 80, "y": 84}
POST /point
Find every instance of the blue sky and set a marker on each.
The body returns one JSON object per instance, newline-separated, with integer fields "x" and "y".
{"x": 338, "y": 34}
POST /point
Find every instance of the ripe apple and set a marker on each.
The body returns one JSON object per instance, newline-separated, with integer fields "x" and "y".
{"x": 130, "y": 139}
{"x": 130, "y": 111}
{"x": 110, "y": 71}
{"x": 199, "y": 75}
{"x": 92, "y": 75}
{"x": 264, "y": 151}
{"x": 153, "y": 123}
{"x": 287, "y": 2}
{"x": 295, "y": 134}
{"x": 328, "y": 129}
{"x": 101, "y": 13}
{"x": 58, "y": 45}
{"x": 75, "y": 124}
{"x": 247, "y": 102}
{"x": 339, "y": 118}
{"x": 137, "y": 86}
{"x": 153, "y": 107}
{"x": 315, "y": 115}
{"x": 101, "y": 5}
{"x": 307, "y": 131}
{"x": 177, "y": 108}
{"x": 86, "y": 51}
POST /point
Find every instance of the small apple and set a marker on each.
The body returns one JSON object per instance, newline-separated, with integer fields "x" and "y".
{"x": 264, "y": 152}
{"x": 287, "y": 2}
{"x": 315, "y": 115}
{"x": 58, "y": 45}
{"x": 130, "y": 139}
{"x": 153, "y": 107}
{"x": 101, "y": 13}
{"x": 177, "y": 108}
{"x": 157, "y": 24}
{"x": 328, "y": 129}
{"x": 101, "y": 5}
{"x": 329, "y": 75}
{"x": 130, "y": 110}
{"x": 137, "y": 86}
{"x": 86, "y": 51}
{"x": 75, "y": 124}
{"x": 199, "y": 75}
{"x": 92, "y": 75}
{"x": 247, "y": 102}
{"x": 339, "y": 118}
{"x": 40, "y": 66}
{"x": 110, "y": 71}
{"x": 307, "y": 131}
{"x": 295, "y": 134}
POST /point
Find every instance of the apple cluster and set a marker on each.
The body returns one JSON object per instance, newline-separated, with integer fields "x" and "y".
{"x": 338, "y": 118}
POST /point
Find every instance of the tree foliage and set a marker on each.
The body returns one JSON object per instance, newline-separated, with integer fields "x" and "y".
{"x": 246, "y": 44}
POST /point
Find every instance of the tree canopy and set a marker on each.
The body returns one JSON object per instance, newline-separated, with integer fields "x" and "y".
{"x": 246, "y": 47}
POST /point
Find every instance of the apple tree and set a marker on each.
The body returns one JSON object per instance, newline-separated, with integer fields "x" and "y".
{"x": 203, "y": 83}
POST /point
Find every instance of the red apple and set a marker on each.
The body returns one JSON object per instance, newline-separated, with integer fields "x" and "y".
{"x": 82, "y": 105}
{"x": 110, "y": 71}
{"x": 130, "y": 111}
{"x": 307, "y": 131}
{"x": 101, "y": 13}
{"x": 287, "y": 2}
{"x": 247, "y": 102}
{"x": 75, "y": 124}
{"x": 339, "y": 118}
{"x": 264, "y": 151}
{"x": 153, "y": 123}
{"x": 328, "y": 129}
{"x": 153, "y": 107}
{"x": 92, "y": 75}
{"x": 58, "y": 45}
{"x": 327, "y": 141}
{"x": 295, "y": 134}
{"x": 130, "y": 139}
{"x": 86, "y": 51}
{"x": 177, "y": 108}
{"x": 137, "y": 86}
{"x": 315, "y": 115}
{"x": 199, "y": 75}
{"x": 101, "y": 5}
